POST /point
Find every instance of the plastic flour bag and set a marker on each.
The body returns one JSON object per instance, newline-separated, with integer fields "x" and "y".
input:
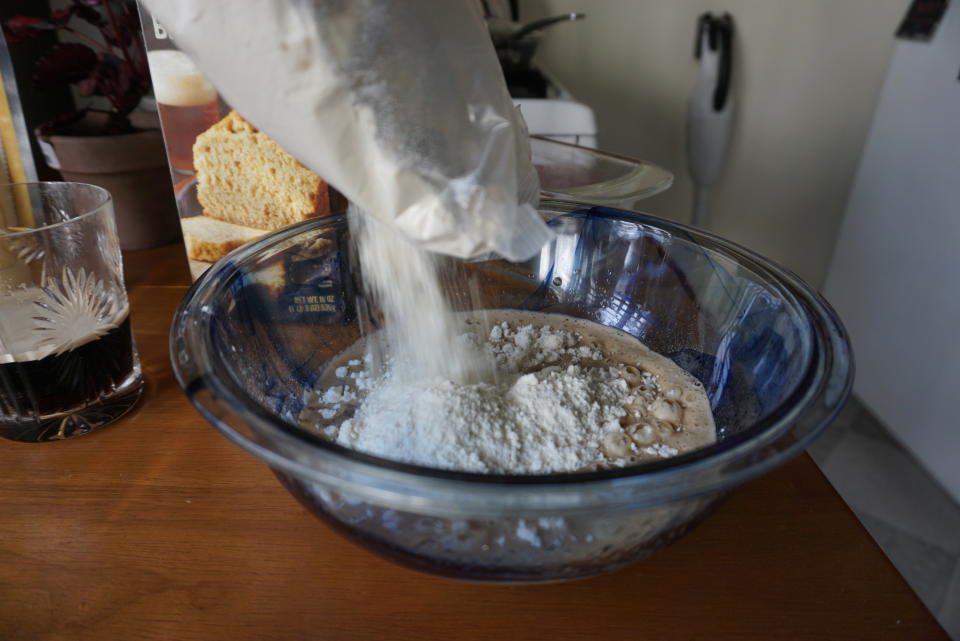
{"x": 399, "y": 105}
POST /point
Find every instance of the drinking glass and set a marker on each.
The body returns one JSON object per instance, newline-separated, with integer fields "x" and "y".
{"x": 68, "y": 363}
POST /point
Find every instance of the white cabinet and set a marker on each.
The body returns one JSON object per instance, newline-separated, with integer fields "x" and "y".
{"x": 895, "y": 276}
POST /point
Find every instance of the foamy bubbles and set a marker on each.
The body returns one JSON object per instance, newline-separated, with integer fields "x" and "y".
{"x": 177, "y": 81}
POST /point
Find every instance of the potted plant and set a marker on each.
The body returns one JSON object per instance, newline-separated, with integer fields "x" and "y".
{"x": 117, "y": 147}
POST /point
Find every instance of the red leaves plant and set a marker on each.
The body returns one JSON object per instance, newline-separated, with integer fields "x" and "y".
{"x": 113, "y": 66}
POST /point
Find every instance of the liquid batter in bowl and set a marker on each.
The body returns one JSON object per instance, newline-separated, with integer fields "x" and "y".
{"x": 561, "y": 394}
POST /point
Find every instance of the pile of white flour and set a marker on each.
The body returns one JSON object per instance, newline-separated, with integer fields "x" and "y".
{"x": 555, "y": 404}
{"x": 534, "y": 423}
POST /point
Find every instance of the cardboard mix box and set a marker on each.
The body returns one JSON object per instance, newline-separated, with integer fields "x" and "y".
{"x": 232, "y": 182}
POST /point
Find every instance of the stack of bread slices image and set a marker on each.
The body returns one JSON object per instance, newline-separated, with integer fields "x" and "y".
{"x": 247, "y": 186}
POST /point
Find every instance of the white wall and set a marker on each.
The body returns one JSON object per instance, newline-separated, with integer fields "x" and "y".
{"x": 895, "y": 278}
{"x": 808, "y": 73}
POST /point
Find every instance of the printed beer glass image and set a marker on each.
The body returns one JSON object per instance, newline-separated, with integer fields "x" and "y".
{"x": 187, "y": 102}
{"x": 68, "y": 364}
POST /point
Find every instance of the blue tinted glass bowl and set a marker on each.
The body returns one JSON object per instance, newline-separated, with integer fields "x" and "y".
{"x": 258, "y": 328}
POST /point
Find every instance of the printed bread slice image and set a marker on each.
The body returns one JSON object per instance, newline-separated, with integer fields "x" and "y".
{"x": 209, "y": 239}
{"x": 197, "y": 268}
{"x": 245, "y": 178}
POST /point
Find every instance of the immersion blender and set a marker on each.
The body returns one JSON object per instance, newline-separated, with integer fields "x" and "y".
{"x": 710, "y": 109}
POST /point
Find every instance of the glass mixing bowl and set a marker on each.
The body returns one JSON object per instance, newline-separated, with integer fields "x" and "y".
{"x": 258, "y": 328}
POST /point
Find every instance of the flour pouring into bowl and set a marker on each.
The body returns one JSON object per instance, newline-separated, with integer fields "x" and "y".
{"x": 435, "y": 160}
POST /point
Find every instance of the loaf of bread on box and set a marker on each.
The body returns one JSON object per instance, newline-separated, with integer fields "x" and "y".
{"x": 245, "y": 178}
{"x": 247, "y": 186}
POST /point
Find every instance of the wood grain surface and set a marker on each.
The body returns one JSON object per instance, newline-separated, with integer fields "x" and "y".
{"x": 158, "y": 528}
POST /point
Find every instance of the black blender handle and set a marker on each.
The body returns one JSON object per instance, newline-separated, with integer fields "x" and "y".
{"x": 719, "y": 33}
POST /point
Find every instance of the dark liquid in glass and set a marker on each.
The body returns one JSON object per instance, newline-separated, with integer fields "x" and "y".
{"x": 65, "y": 382}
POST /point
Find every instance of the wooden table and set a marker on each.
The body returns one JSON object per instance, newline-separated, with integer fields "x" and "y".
{"x": 158, "y": 528}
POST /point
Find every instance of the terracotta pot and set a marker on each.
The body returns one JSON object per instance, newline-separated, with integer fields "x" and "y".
{"x": 132, "y": 167}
